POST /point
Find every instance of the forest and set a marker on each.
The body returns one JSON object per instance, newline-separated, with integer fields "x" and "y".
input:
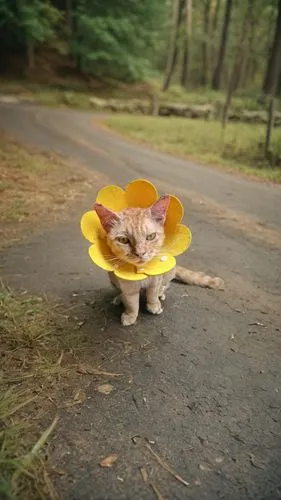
{"x": 197, "y": 44}
{"x": 223, "y": 52}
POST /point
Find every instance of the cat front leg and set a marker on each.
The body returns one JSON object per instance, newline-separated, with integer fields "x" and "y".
{"x": 153, "y": 292}
{"x": 131, "y": 303}
{"x": 130, "y": 296}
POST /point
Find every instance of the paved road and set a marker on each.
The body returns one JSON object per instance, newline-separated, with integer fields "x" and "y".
{"x": 203, "y": 380}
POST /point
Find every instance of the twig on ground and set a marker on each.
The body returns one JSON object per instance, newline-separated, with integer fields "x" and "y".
{"x": 144, "y": 474}
{"x": 94, "y": 371}
{"x": 167, "y": 467}
{"x": 156, "y": 491}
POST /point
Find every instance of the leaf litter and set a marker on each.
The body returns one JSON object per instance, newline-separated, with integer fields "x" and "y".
{"x": 105, "y": 388}
{"x": 109, "y": 461}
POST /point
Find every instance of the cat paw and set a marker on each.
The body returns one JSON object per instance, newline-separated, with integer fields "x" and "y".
{"x": 128, "y": 319}
{"x": 155, "y": 308}
{"x": 117, "y": 301}
{"x": 162, "y": 296}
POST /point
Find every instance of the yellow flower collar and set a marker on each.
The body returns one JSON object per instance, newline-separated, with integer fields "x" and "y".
{"x": 142, "y": 194}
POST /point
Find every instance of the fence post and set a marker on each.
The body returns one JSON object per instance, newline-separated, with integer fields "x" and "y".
{"x": 269, "y": 125}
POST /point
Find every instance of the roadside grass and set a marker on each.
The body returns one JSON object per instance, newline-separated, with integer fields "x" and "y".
{"x": 40, "y": 344}
{"x": 32, "y": 372}
{"x": 78, "y": 96}
{"x": 240, "y": 148}
{"x": 35, "y": 188}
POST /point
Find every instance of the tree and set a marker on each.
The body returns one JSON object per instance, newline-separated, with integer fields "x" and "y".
{"x": 173, "y": 44}
{"x": 217, "y": 76}
{"x": 273, "y": 69}
{"x": 205, "y": 42}
{"x": 110, "y": 39}
{"x": 214, "y": 29}
{"x": 237, "y": 61}
{"x": 37, "y": 21}
{"x": 26, "y": 24}
{"x": 186, "y": 42}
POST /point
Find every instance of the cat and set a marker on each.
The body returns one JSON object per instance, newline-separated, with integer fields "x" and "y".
{"x": 135, "y": 236}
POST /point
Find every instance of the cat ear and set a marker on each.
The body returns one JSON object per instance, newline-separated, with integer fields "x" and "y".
{"x": 106, "y": 216}
{"x": 159, "y": 209}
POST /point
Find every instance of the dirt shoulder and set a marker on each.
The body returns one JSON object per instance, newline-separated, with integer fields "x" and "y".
{"x": 37, "y": 189}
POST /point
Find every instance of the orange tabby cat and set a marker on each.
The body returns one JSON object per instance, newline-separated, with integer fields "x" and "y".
{"x": 136, "y": 235}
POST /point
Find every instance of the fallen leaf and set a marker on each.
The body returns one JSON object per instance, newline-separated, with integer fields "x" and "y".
{"x": 254, "y": 463}
{"x": 144, "y": 474}
{"x": 84, "y": 369}
{"x": 204, "y": 468}
{"x": 80, "y": 396}
{"x": 59, "y": 472}
{"x": 135, "y": 438}
{"x": 197, "y": 482}
{"x": 105, "y": 388}
{"x": 109, "y": 461}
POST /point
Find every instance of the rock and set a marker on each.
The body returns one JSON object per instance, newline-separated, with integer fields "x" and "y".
{"x": 9, "y": 99}
{"x": 205, "y": 111}
{"x": 98, "y": 103}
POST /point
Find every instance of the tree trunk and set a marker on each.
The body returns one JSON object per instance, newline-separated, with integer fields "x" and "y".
{"x": 187, "y": 39}
{"x": 269, "y": 126}
{"x": 214, "y": 30}
{"x": 246, "y": 63}
{"x": 173, "y": 49}
{"x": 205, "y": 43}
{"x": 273, "y": 69}
{"x": 30, "y": 55}
{"x": 237, "y": 62}
{"x": 216, "y": 82}
{"x": 68, "y": 16}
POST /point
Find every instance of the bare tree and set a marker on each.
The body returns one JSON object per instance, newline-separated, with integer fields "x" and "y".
{"x": 186, "y": 42}
{"x": 205, "y": 42}
{"x": 173, "y": 47}
{"x": 238, "y": 61}
{"x": 214, "y": 29}
{"x": 273, "y": 69}
{"x": 68, "y": 15}
{"x": 216, "y": 81}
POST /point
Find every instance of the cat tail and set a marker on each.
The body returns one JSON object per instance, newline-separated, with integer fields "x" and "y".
{"x": 189, "y": 277}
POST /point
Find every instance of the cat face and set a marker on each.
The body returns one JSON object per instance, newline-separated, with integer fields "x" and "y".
{"x": 135, "y": 235}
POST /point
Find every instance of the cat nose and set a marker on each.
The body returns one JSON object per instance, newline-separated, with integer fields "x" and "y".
{"x": 140, "y": 253}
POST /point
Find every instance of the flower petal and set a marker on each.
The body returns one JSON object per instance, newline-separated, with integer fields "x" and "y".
{"x": 90, "y": 226}
{"x": 178, "y": 241}
{"x": 174, "y": 214}
{"x": 160, "y": 264}
{"x": 128, "y": 272}
{"x": 140, "y": 193}
{"x": 112, "y": 197}
{"x": 101, "y": 255}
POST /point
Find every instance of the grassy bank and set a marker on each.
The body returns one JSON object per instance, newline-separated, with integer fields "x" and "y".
{"x": 240, "y": 148}
{"x": 35, "y": 188}
{"x": 32, "y": 342}
{"x": 78, "y": 94}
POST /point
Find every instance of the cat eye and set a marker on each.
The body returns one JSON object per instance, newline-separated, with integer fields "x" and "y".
{"x": 123, "y": 240}
{"x": 151, "y": 237}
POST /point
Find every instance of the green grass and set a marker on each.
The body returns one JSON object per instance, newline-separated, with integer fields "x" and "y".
{"x": 31, "y": 343}
{"x": 199, "y": 96}
{"x": 36, "y": 337}
{"x": 239, "y": 149}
